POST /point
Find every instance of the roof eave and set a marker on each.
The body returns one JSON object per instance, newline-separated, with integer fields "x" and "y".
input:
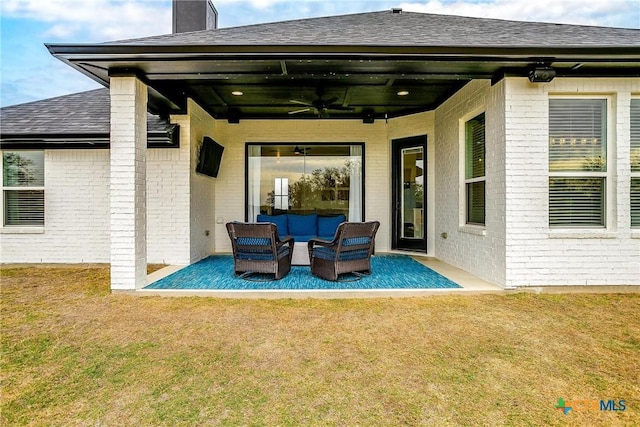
{"x": 155, "y": 139}
{"x": 76, "y": 52}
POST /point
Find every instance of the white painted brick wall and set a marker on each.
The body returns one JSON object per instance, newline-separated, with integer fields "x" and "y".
{"x": 127, "y": 202}
{"x": 536, "y": 255}
{"x": 482, "y": 255}
{"x": 76, "y": 212}
{"x": 202, "y": 227}
{"x": 168, "y": 204}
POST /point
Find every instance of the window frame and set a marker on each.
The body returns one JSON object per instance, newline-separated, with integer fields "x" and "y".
{"x": 361, "y": 145}
{"x": 634, "y": 175}
{"x": 21, "y": 228}
{"x": 607, "y": 175}
{"x": 465, "y": 182}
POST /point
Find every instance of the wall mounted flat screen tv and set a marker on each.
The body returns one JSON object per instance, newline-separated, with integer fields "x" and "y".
{"x": 210, "y": 157}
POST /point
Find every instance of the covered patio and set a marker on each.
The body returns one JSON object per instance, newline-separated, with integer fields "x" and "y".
{"x": 382, "y": 87}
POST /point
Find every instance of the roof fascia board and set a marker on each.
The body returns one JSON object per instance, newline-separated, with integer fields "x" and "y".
{"x": 78, "y": 52}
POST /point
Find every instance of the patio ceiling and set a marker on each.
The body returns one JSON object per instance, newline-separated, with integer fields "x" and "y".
{"x": 357, "y": 82}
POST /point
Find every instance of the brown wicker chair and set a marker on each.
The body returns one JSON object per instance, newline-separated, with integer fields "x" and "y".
{"x": 258, "y": 249}
{"x": 349, "y": 251}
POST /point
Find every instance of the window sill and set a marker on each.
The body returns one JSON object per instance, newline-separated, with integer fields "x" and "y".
{"x": 635, "y": 234}
{"x": 583, "y": 234}
{"x": 22, "y": 230}
{"x": 477, "y": 230}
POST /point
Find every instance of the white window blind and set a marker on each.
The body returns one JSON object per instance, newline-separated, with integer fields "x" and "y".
{"x": 635, "y": 162}
{"x": 635, "y": 135}
{"x": 577, "y": 162}
{"x": 577, "y": 135}
{"x": 475, "y": 170}
{"x": 23, "y": 188}
{"x": 635, "y": 201}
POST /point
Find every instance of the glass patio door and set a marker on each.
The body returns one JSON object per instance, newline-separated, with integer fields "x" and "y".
{"x": 409, "y": 185}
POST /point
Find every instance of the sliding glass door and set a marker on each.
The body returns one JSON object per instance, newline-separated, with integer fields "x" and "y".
{"x": 305, "y": 178}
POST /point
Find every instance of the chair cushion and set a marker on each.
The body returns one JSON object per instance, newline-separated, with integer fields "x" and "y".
{"x": 254, "y": 241}
{"x": 279, "y": 220}
{"x": 329, "y": 254}
{"x": 263, "y": 255}
{"x": 327, "y": 225}
{"x": 303, "y": 225}
{"x": 356, "y": 241}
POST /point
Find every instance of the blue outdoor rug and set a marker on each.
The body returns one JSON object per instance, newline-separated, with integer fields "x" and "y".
{"x": 388, "y": 272}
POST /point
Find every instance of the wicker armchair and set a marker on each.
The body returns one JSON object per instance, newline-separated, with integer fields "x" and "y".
{"x": 258, "y": 249}
{"x": 349, "y": 251}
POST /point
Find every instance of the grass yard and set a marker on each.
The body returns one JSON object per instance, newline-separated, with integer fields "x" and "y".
{"x": 75, "y": 354}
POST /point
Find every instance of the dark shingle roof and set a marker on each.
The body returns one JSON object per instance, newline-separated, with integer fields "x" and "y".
{"x": 75, "y": 114}
{"x": 402, "y": 29}
{"x": 78, "y": 120}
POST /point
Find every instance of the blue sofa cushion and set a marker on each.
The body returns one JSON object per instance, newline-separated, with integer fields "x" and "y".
{"x": 303, "y": 225}
{"x": 279, "y": 220}
{"x": 327, "y": 225}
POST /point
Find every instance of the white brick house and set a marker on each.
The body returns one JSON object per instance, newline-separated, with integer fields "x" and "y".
{"x": 543, "y": 220}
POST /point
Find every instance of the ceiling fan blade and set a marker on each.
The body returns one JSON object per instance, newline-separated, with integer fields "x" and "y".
{"x": 304, "y": 110}
{"x": 295, "y": 101}
{"x": 340, "y": 107}
{"x": 331, "y": 100}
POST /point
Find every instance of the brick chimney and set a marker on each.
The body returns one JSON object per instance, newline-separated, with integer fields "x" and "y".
{"x": 194, "y": 15}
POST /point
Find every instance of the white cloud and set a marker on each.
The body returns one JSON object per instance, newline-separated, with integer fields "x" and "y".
{"x": 95, "y": 20}
{"x": 600, "y": 12}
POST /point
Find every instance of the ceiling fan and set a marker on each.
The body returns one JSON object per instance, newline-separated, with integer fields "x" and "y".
{"x": 320, "y": 106}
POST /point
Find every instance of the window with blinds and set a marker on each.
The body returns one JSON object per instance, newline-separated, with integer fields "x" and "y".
{"x": 635, "y": 135}
{"x": 635, "y": 201}
{"x": 635, "y": 162}
{"x": 475, "y": 170}
{"x": 577, "y": 162}
{"x": 23, "y": 188}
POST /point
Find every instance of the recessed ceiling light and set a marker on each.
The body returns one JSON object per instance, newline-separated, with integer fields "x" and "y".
{"x": 403, "y": 93}
{"x": 237, "y": 93}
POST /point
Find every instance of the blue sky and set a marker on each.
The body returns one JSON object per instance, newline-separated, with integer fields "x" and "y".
{"x": 28, "y": 72}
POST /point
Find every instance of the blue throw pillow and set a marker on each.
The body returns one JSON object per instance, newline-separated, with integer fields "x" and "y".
{"x": 327, "y": 225}
{"x": 279, "y": 220}
{"x": 300, "y": 225}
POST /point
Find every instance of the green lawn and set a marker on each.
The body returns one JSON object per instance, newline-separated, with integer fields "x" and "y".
{"x": 75, "y": 354}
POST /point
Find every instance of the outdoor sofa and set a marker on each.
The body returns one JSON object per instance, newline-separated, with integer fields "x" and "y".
{"x": 303, "y": 228}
